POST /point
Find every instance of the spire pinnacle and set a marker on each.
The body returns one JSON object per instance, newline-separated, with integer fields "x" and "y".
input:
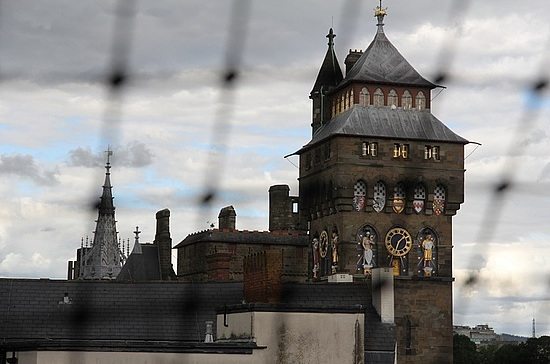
{"x": 109, "y": 153}
{"x": 331, "y": 37}
{"x": 380, "y": 13}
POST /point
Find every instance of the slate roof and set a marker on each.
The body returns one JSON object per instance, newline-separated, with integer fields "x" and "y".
{"x": 330, "y": 73}
{"x": 382, "y": 63}
{"x": 30, "y": 310}
{"x": 245, "y": 237}
{"x": 142, "y": 265}
{"x": 385, "y": 122}
{"x": 157, "y": 316}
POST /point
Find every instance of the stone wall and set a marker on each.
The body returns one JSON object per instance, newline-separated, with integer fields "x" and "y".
{"x": 424, "y": 321}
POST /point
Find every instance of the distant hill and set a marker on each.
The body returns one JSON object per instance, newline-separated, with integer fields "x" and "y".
{"x": 512, "y": 338}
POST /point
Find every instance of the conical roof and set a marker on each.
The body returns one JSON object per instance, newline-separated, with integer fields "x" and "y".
{"x": 330, "y": 74}
{"x": 106, "y": 206}
{"x": 382, "y": 63}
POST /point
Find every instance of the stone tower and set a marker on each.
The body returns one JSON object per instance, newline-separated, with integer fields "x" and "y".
{"x": 380, "y": 181}
{"x": 103, "y": 260}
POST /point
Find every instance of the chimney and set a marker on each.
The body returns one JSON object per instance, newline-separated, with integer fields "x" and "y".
{"x": 164, "y": 243}
{"x": 351, "y": 58}
{"x": 227, "y": 218}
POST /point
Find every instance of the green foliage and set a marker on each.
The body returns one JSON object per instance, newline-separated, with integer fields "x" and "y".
{"x": 464, "y": 350}
{"x": 534, "y": 351}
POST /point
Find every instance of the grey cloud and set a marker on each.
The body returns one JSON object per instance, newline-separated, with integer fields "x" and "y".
{"x": 24, "y": 165}
{"x": 135, "y": 155}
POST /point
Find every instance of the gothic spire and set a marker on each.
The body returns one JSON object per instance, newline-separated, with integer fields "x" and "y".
{"x": 330, "y": 73}
{"x": 106, "y": 206}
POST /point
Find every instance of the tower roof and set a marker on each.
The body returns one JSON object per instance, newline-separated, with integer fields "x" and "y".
{"x": 382, "y": 63}
{"x": 330, "y": 74}
{"x": 383, "y": 122}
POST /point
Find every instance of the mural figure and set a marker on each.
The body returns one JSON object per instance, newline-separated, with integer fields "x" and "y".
{"x": 334, "y": 252}
{"x": 315, "y": 247}
{"x": 368, "y": 253}
{"x": 427, "y": 248}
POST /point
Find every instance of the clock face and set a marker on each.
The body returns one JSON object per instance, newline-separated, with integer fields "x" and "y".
{"x": 323, "y": 244}
{"x": 398, "y": 242}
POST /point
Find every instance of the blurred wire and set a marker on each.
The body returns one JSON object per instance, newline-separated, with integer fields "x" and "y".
{"x": 214, "y": 168}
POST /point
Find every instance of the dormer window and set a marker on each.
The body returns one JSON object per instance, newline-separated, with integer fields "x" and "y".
{"x": 378, "y": 98}
{"x": 406, "y": 100}
{"x": 420, "y": 101}
{"x": 364, "y": 97}
{"x": 392, "y": 99}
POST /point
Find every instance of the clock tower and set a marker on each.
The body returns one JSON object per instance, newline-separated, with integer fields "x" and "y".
{"x": 380, "y": 180}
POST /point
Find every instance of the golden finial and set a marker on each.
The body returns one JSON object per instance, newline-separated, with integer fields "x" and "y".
{"x": 380, "y": 11}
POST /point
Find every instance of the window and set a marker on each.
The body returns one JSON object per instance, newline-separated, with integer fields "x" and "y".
{"x": 406, "y": 100}
{"x": 378, "y": 98}
{"x": 399, "y": 198}
{"x": 351, "y": 101}
{"x": 346, "y": 101}
{"x": 333, "y": 107}
{"x": 359, "y": 195}
{"x": 439, "y": 200}
{"x": 294, "y": 207}
{"x": 308, "y": 161}
{"x": 392, "y": 98}
{"x": 342, "y": 103}
{"x": 431, "y": 152}
{"x": 419, "y": 198}
{"x": 379, "y": 196}
{"x": 369, "y": 149}
{"x": 420, "y": 101}
{"x": 364, "y": 97}
{"x": 401, "y": 150}
{"x": 327, "y": 151}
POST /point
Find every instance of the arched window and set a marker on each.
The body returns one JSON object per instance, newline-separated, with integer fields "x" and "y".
{"x": 419, "y": 198}
{"x": 398, "y": 198}
{"x": 342, "y": 103}
{"x": 392, "y": 98}
{"x": 427, "y": 243}
{"x": 351, "y": 101}
{"x": 346, "y": 101}
{"x": 406, "y": 100}
{"x": 379, "y": 197}
{"x": 439, "y": 200}
{"x": 359, "y": 195}
{"x": 333, "y": 107}
{"x": 378, "y": 98}
{"x": 420, "y": 101}
{"x": 364, "y": 97}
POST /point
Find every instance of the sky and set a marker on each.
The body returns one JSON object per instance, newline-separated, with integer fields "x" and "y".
{"x": 57, "y": 118}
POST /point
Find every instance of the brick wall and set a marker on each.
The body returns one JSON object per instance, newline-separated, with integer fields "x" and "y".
{"x": 263, "y": 276}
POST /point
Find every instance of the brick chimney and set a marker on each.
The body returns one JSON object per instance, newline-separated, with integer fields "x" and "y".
{"x": 164, "y": 243}
{"x": 351, "y": 58}
{"x": 263, "y": 276}
{"x": 227, "y": 218}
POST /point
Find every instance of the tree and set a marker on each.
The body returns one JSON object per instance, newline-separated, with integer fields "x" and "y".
{"x": 464, "y": 350}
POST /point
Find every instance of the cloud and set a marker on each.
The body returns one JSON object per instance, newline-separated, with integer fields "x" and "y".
{"x": 134, "y": 155}
{"x": 24, "y": 165}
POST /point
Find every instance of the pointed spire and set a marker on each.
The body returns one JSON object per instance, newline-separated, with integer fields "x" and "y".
{"x": 330, "y": 73}
{"x": 106, "y": 206}
{"x": 137, "y": 246}
{"x": 380, "y": 13}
